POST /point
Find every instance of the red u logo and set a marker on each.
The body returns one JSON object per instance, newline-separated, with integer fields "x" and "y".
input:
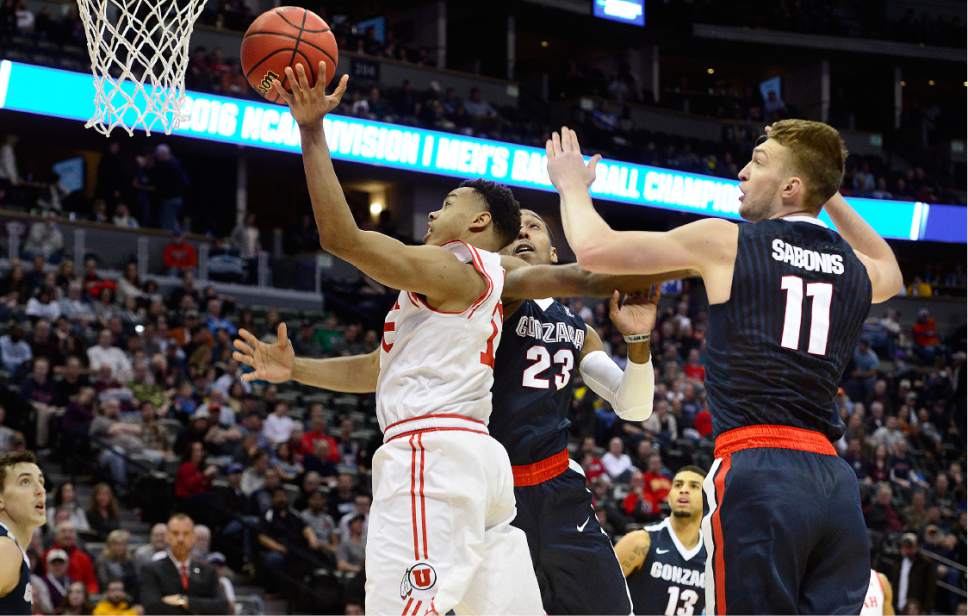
{"x": 421, "y": 578}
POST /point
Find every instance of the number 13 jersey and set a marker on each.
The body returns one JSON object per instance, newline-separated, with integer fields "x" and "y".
{"x": 777, "y": 348}
{"x": 441, "y": 363}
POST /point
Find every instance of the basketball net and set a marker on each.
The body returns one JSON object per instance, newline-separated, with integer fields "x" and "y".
{"x": 139, "y": 53}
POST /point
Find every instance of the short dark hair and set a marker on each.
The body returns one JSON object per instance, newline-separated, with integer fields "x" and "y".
{"x": 504, "y": 208}
{"x": 12, "y": 458}
{"x": 691, "y": 468}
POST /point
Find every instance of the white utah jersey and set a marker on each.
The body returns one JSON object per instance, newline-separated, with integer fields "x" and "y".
{"x": 874, "y": 601}
{"x": 439, "y": 363}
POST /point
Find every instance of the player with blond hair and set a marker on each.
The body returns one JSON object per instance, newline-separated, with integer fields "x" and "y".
{"x": 788, "y": 297}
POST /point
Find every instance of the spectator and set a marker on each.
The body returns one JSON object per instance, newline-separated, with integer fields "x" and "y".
{"x": 14, "y": 350}
{"x": 105, "y": 353}
{"x": 617, "y": 463}
{"x": 115, "y": 602}
{"x": 261, "y": 499}
{"x": 218, "y": 562}
{"x": 865, "y": 367}
{"x": 880, "y": 514}
{"x": 193, "y": 485}
{"x": 925, "y": 333}
{"x": 56, "y": 579}
{"x": 115, "y": 563}
{"x": 283, "y": 532}
{"x": 77, "y": 601}
{"x": 44, "y": 305}
{"x": 477, "y": 107}
{"x": 119, "y": 439}
{"x": 203, "y": 543}
{"x": 80, "y": 567}
{"x": 178, "y": 584}
{"x": 169, "y": 180}
{"x": 279, "y": 425}
{"x": 74, "y": 307}
{"x": 214, "y": 319}
{"x": 350, "y": 553}
{"x": 65, "y": 499}
{"x": 103, "y": 514}
{"x": 157, "y": 544}
{"x": 38, "y": 391}
{"x": 9, "y": 176}
{"x": 123, "y": 218}
{"x": 914, "y": 578}
{"x": 319, "y": 521}
{"x": 361, "y": 507}
{"x": 45, "y": 239}
{"x": 254, "y": 477}
{"x": 245, "y": 238}
{"x": 179, "y": 256}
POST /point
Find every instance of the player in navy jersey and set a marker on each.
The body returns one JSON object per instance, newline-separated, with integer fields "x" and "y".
{"x": 788, "y": 296}
{"x": 542, "y": 344}
{"x": 665, "y": 563}
{"x": 22, "y": 502}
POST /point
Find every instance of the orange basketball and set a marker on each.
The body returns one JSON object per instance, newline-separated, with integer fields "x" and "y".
{"x": 284, "y": 37}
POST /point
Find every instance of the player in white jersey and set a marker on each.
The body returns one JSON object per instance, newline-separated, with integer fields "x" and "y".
{"x": 439, "y": 534}
{"x": 880, "y": 597}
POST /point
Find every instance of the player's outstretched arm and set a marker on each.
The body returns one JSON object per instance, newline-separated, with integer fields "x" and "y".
{"x": 630, "y": 392}
{"x": 381, "y": 257}
{"x": 277, "y": 363}
{"x": 524, "y": 281}
{"x": 631, "y": 551}
{"x": 701, "y": 246}
{"x": 873, "y": 251}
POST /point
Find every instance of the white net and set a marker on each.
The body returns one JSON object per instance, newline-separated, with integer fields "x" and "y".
{"x": 139, "y": 53}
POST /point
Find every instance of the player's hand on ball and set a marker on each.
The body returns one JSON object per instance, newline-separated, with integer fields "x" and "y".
{"x": 308, "y": 104}
{"x": 566, "y": 167}
{"x": 269, "y": 362}
{"x": 635, "y": 313}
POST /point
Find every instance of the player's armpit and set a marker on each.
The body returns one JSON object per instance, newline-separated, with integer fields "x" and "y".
{"x": 886, "y": 280}
{"x": 701, "y": 246}
{"x": 432, "y": 271}
{"x": 631, "y": 551}
{"x": 525, "y": 281}
{"x": 10, "y": 561}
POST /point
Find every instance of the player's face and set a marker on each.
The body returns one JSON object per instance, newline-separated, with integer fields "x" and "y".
{"x": 685, "y": 497}
{"x": 24, "y": 495}
{"x": 761, "y": 180}
{"x": 461, "y": 209}
{"x": 533, "y": 243}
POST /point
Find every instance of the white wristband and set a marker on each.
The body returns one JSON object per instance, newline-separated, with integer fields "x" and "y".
{"x": 633, "y": 338}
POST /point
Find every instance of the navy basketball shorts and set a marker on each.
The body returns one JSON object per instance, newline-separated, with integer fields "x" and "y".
{"x": 785, "y": 533}
{"x": 574, "y": 560}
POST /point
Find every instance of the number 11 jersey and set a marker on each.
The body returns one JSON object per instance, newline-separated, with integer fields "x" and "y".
{"x": 777, "y": 348}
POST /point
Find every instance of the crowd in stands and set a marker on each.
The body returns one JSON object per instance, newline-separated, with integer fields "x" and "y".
{"x": 143, "y": 384}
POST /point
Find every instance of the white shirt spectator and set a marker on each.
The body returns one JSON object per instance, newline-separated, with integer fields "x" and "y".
{"x": 616, "y": 465}
{"x": 112, "y": 356}
{"x": 344, "y": 525}
{"x": 25, "y": 20}
{"x": 44, "y": 238}
{"x": 278, "y": 428}
{"x": 246, "y": 238}
{"x": 8, "y": 163}
{"x": 76, "y": 309}
{"x": 50, "y": 311}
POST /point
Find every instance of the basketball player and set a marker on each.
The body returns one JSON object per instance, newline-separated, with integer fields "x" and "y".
{"x": 440, "y": 534}
{"x": 22, "y": 511}
{"x": 665, "y": 563}
{"x": 880, "y": 597}
{"x": 787, "y": 300}
{"x": 573, "y": 557}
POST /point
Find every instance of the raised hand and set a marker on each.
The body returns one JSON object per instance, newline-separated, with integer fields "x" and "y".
{"x": 308, "y": 104}
{"x": 270, "y": 362}
{"x": 636, "y": 314}
{"x": 566, "y": 167}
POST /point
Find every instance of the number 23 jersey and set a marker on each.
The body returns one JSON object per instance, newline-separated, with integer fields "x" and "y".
{"x": 441, "y": 363}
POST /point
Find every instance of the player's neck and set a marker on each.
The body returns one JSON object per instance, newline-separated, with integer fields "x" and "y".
{"x": 23, "y": 535}
{"x": 686, "y": 530}
{"x": 793, "y": 212}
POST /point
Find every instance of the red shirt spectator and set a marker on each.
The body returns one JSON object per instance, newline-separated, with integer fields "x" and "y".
{"x": 593, "y": 468}
{"x": 180, "y": 255}
{"x": 703, "y": 423}
{"x": 657, "y": 483}
{"x": 190, "y": 480}
{"x": 693, "y": 369}
{"x": 308, "y": 444}
{"x": 926, "y": 330}
{"x": 638, "y": 504}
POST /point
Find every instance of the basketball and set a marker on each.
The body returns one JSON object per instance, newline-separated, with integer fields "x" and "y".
{"x": 284, "y": 37}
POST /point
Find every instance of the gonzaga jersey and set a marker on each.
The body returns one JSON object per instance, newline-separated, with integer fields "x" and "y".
{"x": 20, "y": 599}
{"x": 777, "y": 349}
{"x": 435, "y": 362}
{"x": 672, "y": 580}
{"x": 532, "y": 380}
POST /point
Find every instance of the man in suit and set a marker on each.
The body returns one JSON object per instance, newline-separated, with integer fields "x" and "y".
{"x": 177, "y": 584}
{"x": 914, "y": 580}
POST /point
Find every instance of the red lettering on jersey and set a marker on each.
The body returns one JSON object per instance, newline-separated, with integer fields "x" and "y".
{"x": 487, "y": 356}
{"x": 389, "y": 326}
